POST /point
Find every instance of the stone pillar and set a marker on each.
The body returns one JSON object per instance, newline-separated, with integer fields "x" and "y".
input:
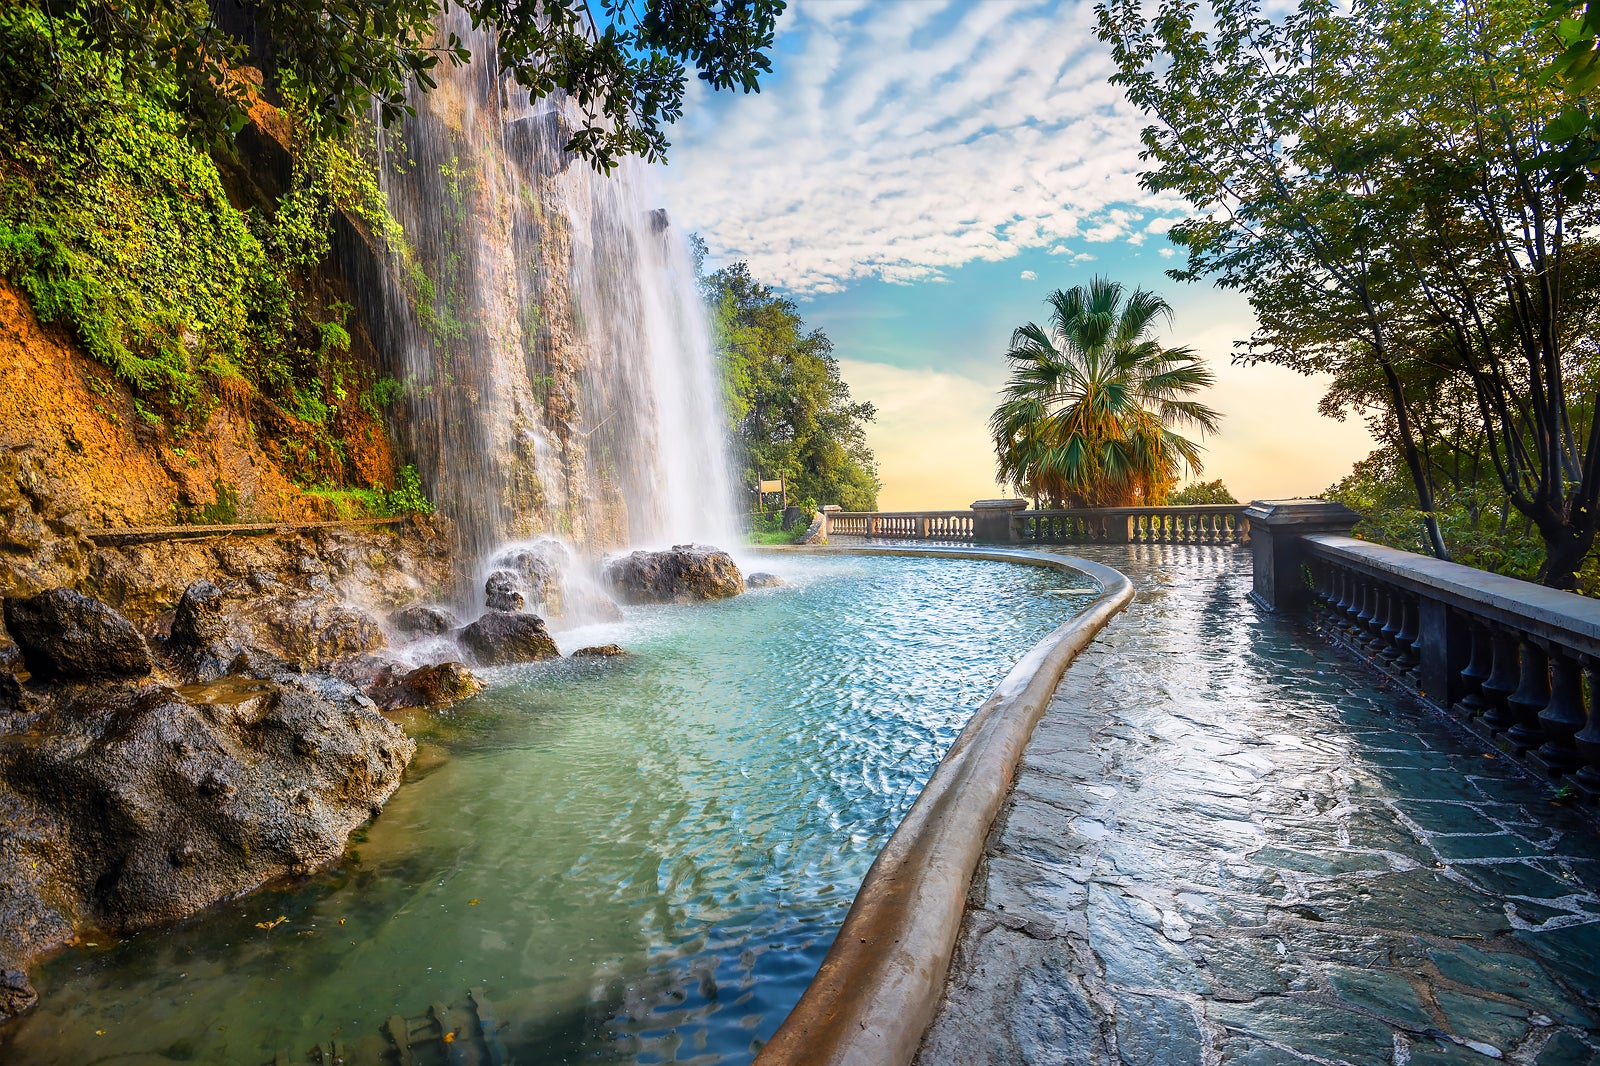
{"x": 1276, "y": 527}
{"x": 992, "y": 520}
{"x": 1119, "y": 529}
{"x": 828, "y": 511}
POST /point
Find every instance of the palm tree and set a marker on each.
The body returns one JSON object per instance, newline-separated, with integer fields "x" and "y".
{"x": 1088, "y": 417}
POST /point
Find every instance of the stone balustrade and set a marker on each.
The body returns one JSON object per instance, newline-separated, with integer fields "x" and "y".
{"x": 1012, "y": 522}
{"x": 955, "y": 526}
{"x": 1517, "y": 661}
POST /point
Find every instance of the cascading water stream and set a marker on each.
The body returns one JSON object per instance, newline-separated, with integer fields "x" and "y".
{"x": 545, "y": 322}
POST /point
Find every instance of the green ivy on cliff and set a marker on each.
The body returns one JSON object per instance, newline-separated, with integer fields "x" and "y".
{"x": 194, "y": 288}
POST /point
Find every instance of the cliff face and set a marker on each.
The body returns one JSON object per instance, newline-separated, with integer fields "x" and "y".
{"x": 105, "y": 465}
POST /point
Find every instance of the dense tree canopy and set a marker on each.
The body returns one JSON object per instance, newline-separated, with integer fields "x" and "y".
{"x": 1200, "y": 493}
{"x": 1087, "y": 416}
{"x": 790, "y": 411}
{"x": 626, "y": 68}
{"x": 1380, "y": 179}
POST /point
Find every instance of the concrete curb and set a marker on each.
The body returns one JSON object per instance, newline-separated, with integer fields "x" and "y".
{"x": 880, "y": 984}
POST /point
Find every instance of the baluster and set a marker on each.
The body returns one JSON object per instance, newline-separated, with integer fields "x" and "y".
{"x": 1369, "y": 632}
{"x": 1531, "y": 696}
{"x": 1363, "y": 608}
{"x": 1319, "y": 582}
{"x": 1562, "y": 717}
{"x": 1501, "y": 682}
{"x": 1410, "y": 630}
{"x": 1331, "y": 579}
{"x": 1389, "y": 633}
{"x": 1587, "y": 740}
{"x": 1352, "y": 610}
{"x": 1476, "y": 672}
{"x": 1341, "y": 586}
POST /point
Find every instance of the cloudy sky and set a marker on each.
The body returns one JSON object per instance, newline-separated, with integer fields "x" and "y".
{"x": 919, "y": 174}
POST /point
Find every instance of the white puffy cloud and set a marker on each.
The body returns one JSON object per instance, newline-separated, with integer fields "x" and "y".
{"x": 1029, "y": 275}
{"x": 898, "y": 141}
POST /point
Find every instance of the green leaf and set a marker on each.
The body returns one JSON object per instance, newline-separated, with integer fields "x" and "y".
{"x": 1569, "y": 124}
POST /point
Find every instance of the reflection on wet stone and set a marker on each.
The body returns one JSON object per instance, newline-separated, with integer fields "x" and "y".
{"x": 1230, "y": 844}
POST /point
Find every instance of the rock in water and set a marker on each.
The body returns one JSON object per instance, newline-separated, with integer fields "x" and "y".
{"x": 501, "y": 592}
{"x": 418, "y": 620}
{"x": 763, "y": 581}
{"x": 539, "y": 566}
{"x": 131, "y": 806}
{"x": 682, "y": 574}
{"x": 500, "y": 637}
{"x": 429, "y": 686}
{"x": 65, "y": 634}
{"x": 599, "y": 651}
{"x": 318, "y": 629}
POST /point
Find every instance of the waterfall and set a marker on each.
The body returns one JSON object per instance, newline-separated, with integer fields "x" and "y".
{"x": 558, "y": 371}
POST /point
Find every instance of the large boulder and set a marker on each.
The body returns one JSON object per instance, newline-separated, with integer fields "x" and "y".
{"x": 202, "y": 643}
{"x": 318, "y": 629}
{"x": 682, "y": 574}
{"x": 538, "y": 568}
{"x": 501, "y": 637}
{"x": 420, "y": 620}
{"x": 126, "y": 806}
{"x": 67, "y": 635}
{"x": 501, "y": 593}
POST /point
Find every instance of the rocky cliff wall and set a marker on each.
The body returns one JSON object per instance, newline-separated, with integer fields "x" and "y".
{"x": 106, "y": 465}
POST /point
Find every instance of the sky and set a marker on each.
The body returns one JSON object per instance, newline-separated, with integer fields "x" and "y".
{"x": 918, "y": 175}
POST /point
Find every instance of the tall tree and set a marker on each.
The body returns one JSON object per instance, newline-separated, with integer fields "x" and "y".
{"x": 789, "y": 410}
{"x": 626, "y": 70}
{"x": 1371, "y": 177}
{"x": 1090, "y": 412}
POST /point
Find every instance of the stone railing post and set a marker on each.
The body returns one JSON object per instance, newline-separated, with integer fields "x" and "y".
{"x": 828, "y": 511}
{"x": 1276, "y": 527}
{"x": 992, "y": 521}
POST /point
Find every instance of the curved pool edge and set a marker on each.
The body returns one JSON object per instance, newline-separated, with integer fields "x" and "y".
{"x": 880, "y": 984}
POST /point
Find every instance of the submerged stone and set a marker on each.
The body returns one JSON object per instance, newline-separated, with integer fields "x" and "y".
{"x": 761, "y": 580}
{"x": 599, "y": 651}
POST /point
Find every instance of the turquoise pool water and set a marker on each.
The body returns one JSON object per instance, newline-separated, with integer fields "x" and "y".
{"x": 639, "y": 860}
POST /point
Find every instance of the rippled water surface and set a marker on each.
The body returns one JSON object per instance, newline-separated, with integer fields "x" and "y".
{"x": 641, "y": 860}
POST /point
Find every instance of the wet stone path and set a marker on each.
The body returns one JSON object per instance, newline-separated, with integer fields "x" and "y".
{"x": 1231, "y": 843}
